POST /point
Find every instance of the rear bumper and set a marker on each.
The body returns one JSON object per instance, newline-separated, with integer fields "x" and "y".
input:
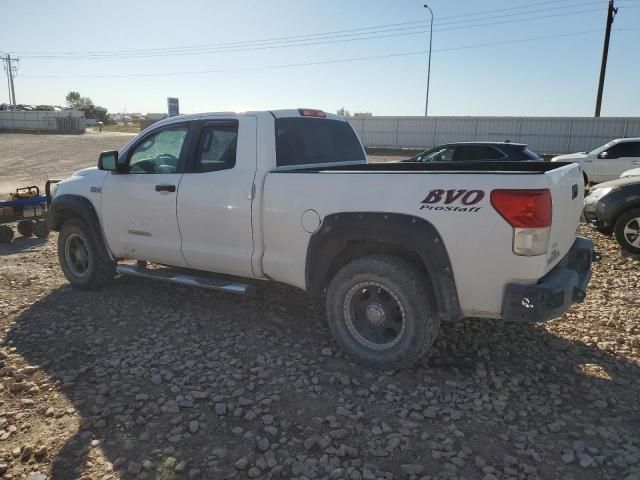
{"x": 554, "y": 293}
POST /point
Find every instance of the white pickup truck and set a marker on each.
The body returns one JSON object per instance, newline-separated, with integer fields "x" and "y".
{"x": 394, "y": 248}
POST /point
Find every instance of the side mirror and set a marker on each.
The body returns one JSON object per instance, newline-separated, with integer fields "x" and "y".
{"x": 603, "y": 155}
{"x": 108, "y": 161}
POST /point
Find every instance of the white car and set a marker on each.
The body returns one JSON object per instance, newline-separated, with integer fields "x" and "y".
{"x": 607, "y": 162}
{"x": 634, "y": 172}
{"x": 288, "y": 196}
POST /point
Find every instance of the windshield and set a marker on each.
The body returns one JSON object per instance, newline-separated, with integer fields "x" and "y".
{"x": 602, "y": 148}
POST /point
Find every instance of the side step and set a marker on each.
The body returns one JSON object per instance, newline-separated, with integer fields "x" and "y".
{"x": 211, "y": 283}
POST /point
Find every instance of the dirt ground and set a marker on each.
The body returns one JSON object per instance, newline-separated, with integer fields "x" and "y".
{"x": 145, "y": 380}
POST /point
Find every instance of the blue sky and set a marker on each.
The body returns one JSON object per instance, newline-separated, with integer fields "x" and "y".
{"x": 550, "y": 68}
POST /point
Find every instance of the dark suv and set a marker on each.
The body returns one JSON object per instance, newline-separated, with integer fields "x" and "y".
{"x": 477, "y": 152}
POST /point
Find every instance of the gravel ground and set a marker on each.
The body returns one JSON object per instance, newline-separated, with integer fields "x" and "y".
{"x": 147, "y": 380}
{"x": 30, "y": 159}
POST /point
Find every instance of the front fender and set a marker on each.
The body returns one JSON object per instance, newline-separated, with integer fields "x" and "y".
{"x": 67, "y": 206}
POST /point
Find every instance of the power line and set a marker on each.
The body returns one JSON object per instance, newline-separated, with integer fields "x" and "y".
{"x": 324, "y": 62}
{"x": 244, "y": 48}
{"x": 368, "y": 32}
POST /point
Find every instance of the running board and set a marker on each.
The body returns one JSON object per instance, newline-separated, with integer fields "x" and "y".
{"x": 211, "y": 283}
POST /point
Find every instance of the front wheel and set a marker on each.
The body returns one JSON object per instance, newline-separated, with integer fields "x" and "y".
{"x": 627, "y": 231}
{"x": 381, "y": 310}
{"x": 80, "y": 258}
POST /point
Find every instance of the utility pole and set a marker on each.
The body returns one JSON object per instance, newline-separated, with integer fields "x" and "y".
{"x": 611, "y": 13}
{"x": 426, "y": 105}
{"x": 11, "y": 71}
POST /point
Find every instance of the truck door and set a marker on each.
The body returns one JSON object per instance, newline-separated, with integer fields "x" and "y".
{"x": 215, "y": 197}
{"x": 139, "y": 206}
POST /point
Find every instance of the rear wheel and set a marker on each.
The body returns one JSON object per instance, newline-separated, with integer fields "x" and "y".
{"x": 381, "y": 310}
{"x": 80, "y": 258}
{"x": 627, "y": 231}
{"x": 25, "y": 228}
{"x": 6, "y": 234}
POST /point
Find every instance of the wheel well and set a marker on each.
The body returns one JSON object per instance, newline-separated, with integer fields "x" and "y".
{"x": 586, "y": 179}
{"x": 628, "y": 208}
{"x": 346, "y": 236}
{"x": 357, "y": 249}
{"x": 61, "y": 216}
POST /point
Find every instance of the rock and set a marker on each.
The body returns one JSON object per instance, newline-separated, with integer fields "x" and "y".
{"x": 568, "y": 457}
{"x": 220, "y": 409}
{"x": 326, "y": 351}
{"x": 339, "y": 434}
{"x": 263, "y": 444}
{"x": 242, "y": 463}
{"x": 254, "y": 472}
{"x": 36, "y": 476}
{"x": 585, "y": 460}
{"x": 411, "y": 469}
{"x": 193, "y": 426}
{"x": 134, "y": 468}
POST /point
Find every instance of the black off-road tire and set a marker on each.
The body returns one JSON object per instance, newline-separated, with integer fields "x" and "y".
{"x": 6, "y": 234}
{"x": 25, "y": 228}
{"x": 628, "y": 218}
{"x": 412, "y": 292}
{"x": 98, "y": 271}
{"x": 41, "y": 229}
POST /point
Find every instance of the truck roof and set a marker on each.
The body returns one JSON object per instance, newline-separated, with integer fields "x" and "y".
{"x": 281, "y": 113}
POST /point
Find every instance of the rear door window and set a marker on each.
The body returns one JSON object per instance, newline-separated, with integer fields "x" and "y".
{"x": 217, "y": 147}
{"x": 308, "y": 141}
{"x": 468, "y": 153}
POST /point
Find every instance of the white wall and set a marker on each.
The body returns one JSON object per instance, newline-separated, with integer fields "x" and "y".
{"x": 542, "y": 134}
{"x": 43, "y": 121}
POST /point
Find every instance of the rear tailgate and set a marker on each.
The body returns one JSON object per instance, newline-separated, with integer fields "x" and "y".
{"x": 567, "y": 192}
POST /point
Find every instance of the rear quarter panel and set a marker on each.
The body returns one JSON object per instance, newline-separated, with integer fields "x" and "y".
{"x": 478, "y": 240}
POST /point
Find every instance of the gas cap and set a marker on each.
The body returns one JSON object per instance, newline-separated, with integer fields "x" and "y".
{"x": 311, "y": 221}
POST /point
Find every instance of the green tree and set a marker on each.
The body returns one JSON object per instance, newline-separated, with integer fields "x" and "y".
{"x": 74, "y": 100}
{"x": 343, "y": 112}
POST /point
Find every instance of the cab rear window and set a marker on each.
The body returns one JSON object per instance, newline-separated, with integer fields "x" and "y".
{"x": 309, "y": 141}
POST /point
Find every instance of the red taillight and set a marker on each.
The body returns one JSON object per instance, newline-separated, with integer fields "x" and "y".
{"x": 309, "y": 112}
{"x": 523, "y": 208}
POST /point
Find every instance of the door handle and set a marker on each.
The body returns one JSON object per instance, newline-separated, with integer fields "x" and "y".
{"x": 635, "y": 163}
{"x": 165, "y": 188}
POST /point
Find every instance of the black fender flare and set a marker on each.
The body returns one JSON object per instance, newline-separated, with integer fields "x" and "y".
{"x": 66, "y": 207}
{"x": 406, "y": 232}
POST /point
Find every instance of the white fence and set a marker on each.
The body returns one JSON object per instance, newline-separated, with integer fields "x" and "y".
{"x": 66, "y": 121}
{"x": 542, "y": 134}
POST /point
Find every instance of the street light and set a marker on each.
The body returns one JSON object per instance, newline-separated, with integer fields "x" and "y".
{"x": 426, "y": 105}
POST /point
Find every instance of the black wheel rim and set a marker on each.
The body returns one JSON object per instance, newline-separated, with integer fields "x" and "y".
{"x": 76, "y": 255}
{"x": 632, "y": 232}
{"x": 374, "y": 316}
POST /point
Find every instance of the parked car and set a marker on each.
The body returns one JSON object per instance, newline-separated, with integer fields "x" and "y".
{"x": 634, "y": 172}
{"x": 607, "y": 162}
{"x": 614, "y": 207}
{"x": 477, "y": 151}
{"x": 288, "y": 196}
